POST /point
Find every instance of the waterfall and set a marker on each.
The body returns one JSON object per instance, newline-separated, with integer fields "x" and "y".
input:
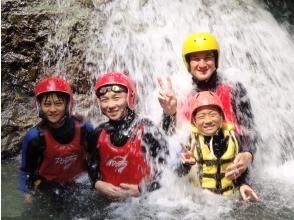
{"x": 144, "y": 38}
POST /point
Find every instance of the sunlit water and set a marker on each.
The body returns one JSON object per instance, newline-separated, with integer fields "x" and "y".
{"x": 144, "y": 38}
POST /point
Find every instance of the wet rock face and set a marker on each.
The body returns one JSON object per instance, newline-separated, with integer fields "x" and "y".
{"x": 21, "y": 46}
{"x": 26, "y": 28}
{"x": 23, "y": 36}
{"x": 283, "y": 10}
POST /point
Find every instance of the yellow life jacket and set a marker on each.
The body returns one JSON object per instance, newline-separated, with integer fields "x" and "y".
{"x": 210, "y": 169}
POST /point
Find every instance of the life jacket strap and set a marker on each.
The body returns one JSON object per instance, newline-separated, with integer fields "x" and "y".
{"x": 217, "y": 162}
{"x": 222, "y": 191}
{"x": 216, "y": 176}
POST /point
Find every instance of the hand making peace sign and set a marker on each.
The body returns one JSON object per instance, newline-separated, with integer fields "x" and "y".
{"x": 167, "y": 97}
{"x": 187, "y": 157}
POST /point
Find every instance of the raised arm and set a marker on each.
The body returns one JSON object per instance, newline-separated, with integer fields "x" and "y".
{"x": 168, "y": 102}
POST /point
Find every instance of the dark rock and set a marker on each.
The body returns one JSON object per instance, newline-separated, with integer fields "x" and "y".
{"x": 27, "y": 56}
{"x": 15, "y": 59}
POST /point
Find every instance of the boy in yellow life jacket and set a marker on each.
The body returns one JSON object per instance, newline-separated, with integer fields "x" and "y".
{"x": 213, "y": 146}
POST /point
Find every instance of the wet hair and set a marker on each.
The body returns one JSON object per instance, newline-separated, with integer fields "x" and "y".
{"x": 60, "y": 96}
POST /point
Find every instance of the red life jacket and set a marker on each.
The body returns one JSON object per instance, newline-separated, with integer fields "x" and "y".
{"x": 125, "y": 164}
{"x": 63, "y": 162}
{"x": 224, "y": 92}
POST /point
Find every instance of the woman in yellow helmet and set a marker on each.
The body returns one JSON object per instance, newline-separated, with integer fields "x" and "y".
{"x": 201, "y": 56}
{"x": 213, "y": 145}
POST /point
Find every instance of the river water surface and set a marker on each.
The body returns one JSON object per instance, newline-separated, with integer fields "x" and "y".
{"x": 144, "y": 38}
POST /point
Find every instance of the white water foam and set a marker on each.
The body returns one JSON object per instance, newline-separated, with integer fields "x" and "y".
{"x": 144, "y": 39}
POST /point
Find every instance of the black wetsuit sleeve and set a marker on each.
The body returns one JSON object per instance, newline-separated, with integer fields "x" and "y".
{"x": 155, "y": 146}
{"x": 32, "y": 156}
{"x": 94, "y": 158}
{"x": 183, "y": 169}
{"x": 168, "y": 124}
{"x": 245, "y": 118}
{"x": 86, "y": 135}
{"x": 244, "y": 178}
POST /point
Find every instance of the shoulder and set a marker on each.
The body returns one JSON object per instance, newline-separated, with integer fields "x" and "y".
{"x": 235, "y": 88}
{"x": 32, "y": 133}
{"x": 238, "y": 87}
{"x": 95, "y": 133}
{"x": 84, "y": 124}
{"x": 31, "y": 138}
{"x": 87, "y": 126}
{"x": 235, "y": 136}
{"x": 223, "y": 79}
{"x": 99, "y": 128}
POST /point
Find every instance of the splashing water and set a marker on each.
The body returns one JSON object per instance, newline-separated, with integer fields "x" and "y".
{"x": 144, "y": 39}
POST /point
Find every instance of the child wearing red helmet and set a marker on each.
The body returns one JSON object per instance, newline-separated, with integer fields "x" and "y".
{"x": 54, "y": 151}
{"x": 201, "y": 53}
{"x": 127, "y": 150}
{"x": 213, "y": 146}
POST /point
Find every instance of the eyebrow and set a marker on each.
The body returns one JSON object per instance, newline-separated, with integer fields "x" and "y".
{"x": 211, "y": 111}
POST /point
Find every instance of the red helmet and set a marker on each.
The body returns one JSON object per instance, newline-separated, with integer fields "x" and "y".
{"x": 205, "y": 98}
{"x": 116, "y": 78}
{"x": 54, "y": 84}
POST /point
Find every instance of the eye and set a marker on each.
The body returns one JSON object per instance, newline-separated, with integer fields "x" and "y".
{"x": 213, "y": 114}
{"x": 200, "y": 117}
{"x": 116, "y": 98}
{"x": 209, "y": 58}
{"x": 46, "y": 103}
{"x": 197, "y": 59}
{"x": 103, "y": 99}
{"x": 58, "y": 103}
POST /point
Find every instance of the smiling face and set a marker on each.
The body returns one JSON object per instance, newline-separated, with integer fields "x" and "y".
{"x": 207, "y": 120}
{"x": 202, "y": 65}
{"x": 114, "y": 104}
{"x": 53, "y": 106}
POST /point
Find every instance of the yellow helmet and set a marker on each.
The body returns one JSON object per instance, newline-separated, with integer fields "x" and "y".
{"x": 201, "y": 41}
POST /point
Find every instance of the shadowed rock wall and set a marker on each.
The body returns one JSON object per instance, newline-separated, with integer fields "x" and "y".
{"x": 26, "y": 27}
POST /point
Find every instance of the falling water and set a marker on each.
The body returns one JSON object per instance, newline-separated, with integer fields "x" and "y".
{"x": 144, "y": 39}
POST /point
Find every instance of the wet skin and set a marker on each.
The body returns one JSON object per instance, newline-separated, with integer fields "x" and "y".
{"x": 202, "y": 65}
{"x": 114, "y": 104}
{"x": 54, "y": 108}
{"x": 208, "y": 120}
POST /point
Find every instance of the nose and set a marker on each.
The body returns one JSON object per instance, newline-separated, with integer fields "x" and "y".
{"x": 207, "y": 119}
{"x": 202, "y": 63}
{"x": 111, "y": 104}
{"x": 52, "y": 108}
